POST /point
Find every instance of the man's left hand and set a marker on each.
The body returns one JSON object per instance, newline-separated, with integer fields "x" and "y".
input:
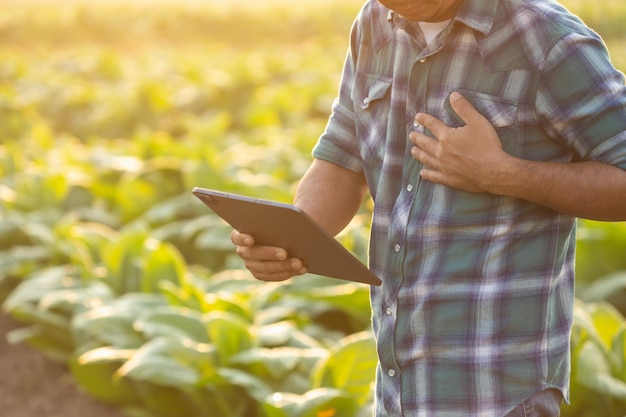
{"x": 466, "y": 157}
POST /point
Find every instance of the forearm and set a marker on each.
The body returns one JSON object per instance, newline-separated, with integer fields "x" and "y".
{"x": 331, "y": 195}
{"x": 591, "y": 190}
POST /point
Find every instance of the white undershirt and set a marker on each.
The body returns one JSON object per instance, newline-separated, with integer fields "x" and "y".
{"x": 432, "y": 29}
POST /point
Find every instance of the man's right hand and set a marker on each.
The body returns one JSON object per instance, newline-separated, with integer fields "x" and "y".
{"x": 266, "y": 263}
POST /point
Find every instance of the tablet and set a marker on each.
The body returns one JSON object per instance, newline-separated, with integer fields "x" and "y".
{"x": 287, "y": 226}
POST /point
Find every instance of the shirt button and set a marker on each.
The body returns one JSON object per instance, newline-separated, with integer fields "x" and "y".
{"x": 397, "y": 248}
{"x": 409, "y": 187}
{"x": 391, "y": 373}
{"x": 366, "y": 101}
{"x": 389, "y": 311}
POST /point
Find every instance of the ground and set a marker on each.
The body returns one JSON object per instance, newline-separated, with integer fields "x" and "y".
{"x": 34, "y": 386}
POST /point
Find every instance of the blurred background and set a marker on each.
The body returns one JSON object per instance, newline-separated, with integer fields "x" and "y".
{"x": 111, "y": 112}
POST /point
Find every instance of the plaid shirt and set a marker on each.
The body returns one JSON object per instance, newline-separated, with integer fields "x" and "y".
{"x": 475, "y": 311}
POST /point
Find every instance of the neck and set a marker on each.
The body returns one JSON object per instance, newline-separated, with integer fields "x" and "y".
{"x": 450, "y": 13}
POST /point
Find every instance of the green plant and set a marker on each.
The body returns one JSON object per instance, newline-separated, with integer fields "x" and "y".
{"x": 143, "y": 352}
{"x": 113, "y": 267}
{"x": 598, "y": 384}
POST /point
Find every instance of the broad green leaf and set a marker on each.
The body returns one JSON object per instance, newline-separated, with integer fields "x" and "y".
{"x": 350, "y": 366}
{"x": 173, "y": 322}
{"x": 21, "y": 260}
{"x": 350, "y": 297}
{"x": 74, "y": 301}
{"x": 270, "y": 314}
{"x": 134, "y": 304}
{"x": 321, "y": 402}
{"x": 169, "y": 210}
{"x": 122, "y": 259}
{"x": 255, "y": 387}
{"x": 215, "y": 238}
{"x": 94, "y": 372}
{"x": 238, "y": 282}
{"x": 170, "y": 362}
{"x": 228, "y": 302}
{"x": 225, "y": 400}
{"x": 107, "y": 325}
{"x": 283, "y": 369}
{"x": 168, "y": 400}
{"x": 285, "y": 333}
{"x": 134, "y": 195}
{"x": 160, "y": 371}
{"x": 610, "y": 288}
{"x": 188, "y": 296}
{"x": 94, "y": 235}
{"x": 282, "y": 404}
{"x": 351, "y": 301}
{"x": 161, "y": 262}
{"x": 229, "y": 334}
{"x": 599, "y": 250}
{"x": 594, "y": 373}
{"x": 31, "y": 291}
{"x": 192, "y": 227}
{"x": 608, "y": 322}
{"x": 277, "y": 363}
{"x": 54, "y": 344}
{"x": 604, "y": 287}
{"x": 325, "y": 402}
{"x": 41, "y": 233}
{"x": 619, "y": 354}
{"x": 47, "y": 319}
{"x": 584, "y": 326}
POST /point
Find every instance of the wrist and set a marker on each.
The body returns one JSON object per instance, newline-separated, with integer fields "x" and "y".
{"x": 503, "y": 176}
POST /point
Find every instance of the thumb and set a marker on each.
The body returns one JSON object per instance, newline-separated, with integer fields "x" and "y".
{"x": 464, "y": 108}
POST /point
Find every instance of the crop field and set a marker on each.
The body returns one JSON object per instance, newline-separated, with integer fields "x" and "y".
{"x": 111, "y": 112}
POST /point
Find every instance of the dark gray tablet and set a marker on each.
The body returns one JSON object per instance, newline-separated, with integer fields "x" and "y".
{"x": 288, "y": 227}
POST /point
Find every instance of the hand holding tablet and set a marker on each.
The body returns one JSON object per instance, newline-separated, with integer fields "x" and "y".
{"x": 286, "y": 226}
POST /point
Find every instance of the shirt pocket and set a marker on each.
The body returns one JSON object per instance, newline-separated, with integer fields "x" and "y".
{"x": 500, "y": 112}
{"x": 371, "y": 99}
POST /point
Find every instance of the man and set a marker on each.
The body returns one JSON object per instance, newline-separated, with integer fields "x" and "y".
{"x": 481, "y": 129}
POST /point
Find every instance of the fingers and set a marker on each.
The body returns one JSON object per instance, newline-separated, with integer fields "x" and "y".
{"x": 462, "y": 107}
{"x": 428, "y": 147}
{"x": 425, "y": 149}
{"x": 436, "y": 126}
{"x": 272, "y": 271}
{"x": 241, "y": 239}
{"x": 266, "y": 263}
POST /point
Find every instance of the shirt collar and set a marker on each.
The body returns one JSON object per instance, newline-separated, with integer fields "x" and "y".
{"x": 476, "y": 14}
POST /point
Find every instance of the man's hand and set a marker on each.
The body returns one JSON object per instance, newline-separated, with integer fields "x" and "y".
{"x": 266, "y": 263}
{"x": 464, "y": 157}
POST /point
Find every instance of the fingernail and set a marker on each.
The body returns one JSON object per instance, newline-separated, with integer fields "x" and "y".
{"x": 281, "y": 254}
{"x": 455, "y": 96}
{"x": 247, "y": 241}
{"x": 296, "y": 264}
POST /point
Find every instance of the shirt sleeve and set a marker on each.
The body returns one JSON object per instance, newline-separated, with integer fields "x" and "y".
{"x": 338, "y": 144}
{"x": 583, "y": 98}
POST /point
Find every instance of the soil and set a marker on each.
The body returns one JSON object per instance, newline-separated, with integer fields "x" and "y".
{"x": 32, "y": 385}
